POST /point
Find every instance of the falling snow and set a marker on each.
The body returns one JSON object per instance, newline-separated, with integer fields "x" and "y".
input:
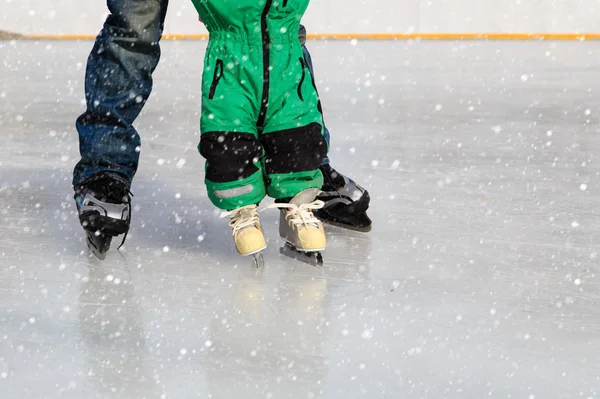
{"x": 479, "y": 276}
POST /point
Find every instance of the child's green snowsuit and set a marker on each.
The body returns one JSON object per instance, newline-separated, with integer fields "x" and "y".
{"x": 261, "y": 123}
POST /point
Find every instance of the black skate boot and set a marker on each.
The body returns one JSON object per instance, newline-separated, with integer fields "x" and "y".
{"x": 346, "y": 202}
{"x": 104, "y": 207}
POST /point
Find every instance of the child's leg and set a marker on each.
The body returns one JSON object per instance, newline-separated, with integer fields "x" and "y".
{"x": 295, "y": 148}
{"x": 229, "y": 141}
{"x": 293, "y": 133}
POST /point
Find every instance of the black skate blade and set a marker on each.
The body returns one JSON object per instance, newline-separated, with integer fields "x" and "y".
{"x": 360, "y": 229}
{"x": 98, "y": 244}
{"x": 360, "y": 223}
{"x": 311, "y": 258}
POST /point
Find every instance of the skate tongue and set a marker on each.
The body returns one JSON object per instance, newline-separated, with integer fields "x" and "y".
{"x": 301, "y": 214}
{"x": 241, "y": 218}
{"x": 305, "y": 197}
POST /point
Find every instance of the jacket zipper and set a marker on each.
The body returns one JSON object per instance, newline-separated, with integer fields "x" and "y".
{"x": 216, "y": 77}
{"x": 302, "y": 78}
{"x": 266, "y": 47}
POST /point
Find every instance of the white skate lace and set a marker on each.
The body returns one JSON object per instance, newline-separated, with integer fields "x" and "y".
{"x": 242, "y": 218}
{"x": 300, "y": 214}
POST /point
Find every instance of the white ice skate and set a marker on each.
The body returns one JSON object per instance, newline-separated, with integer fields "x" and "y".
{"x": 303, "y": 232}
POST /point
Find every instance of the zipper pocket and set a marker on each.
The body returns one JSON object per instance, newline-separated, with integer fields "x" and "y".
{"x": 302, "y": 78}
{"x": 216, "y": 77}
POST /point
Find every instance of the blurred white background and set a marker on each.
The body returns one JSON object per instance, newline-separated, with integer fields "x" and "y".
{"x": 335, "y": 16}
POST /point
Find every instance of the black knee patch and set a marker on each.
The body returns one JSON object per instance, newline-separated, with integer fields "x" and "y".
{"x": 294, "y": 150}
{"x": 230, "y": 155}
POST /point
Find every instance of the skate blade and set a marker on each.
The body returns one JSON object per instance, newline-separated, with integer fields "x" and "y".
{"x": 257, "y": 257}
{"x": 361, "y": 224}
{"x": 98, "y": 244}
{"x": 313, "y": 258}
{"x": 258, "y": 260}
{"x": 362, "y": 229}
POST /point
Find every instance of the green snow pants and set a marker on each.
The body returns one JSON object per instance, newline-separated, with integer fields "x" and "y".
{"x": 261, "y": 124}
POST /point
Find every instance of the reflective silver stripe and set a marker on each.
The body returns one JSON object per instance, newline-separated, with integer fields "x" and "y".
{"x": 233, "y": 192}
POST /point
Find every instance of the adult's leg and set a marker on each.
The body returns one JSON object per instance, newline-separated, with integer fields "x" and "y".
{"x": 118, "y": 82}
{"x": 346, "y": 202}
{"x": 308, "y": 59}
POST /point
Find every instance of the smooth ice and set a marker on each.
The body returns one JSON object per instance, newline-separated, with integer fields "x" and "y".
{"x": 478, "y": 280}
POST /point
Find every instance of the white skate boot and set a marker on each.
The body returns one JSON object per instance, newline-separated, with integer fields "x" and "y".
{"x": 303, "y": 232}
{"x": 247, "y": 232}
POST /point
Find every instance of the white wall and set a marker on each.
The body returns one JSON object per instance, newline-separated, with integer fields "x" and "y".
{"x": 510, "y": 16}
{"x": 336, "y": 16}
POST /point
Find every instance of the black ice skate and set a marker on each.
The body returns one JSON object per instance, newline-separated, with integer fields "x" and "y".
{"x": 104, "y": 207}
{"x": 346, "y": 202}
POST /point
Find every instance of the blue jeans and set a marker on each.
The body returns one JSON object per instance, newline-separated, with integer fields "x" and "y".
{"x": 118, "y": 81}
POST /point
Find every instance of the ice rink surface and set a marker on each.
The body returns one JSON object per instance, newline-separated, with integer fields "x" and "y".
{"x": 479, "y": 279}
